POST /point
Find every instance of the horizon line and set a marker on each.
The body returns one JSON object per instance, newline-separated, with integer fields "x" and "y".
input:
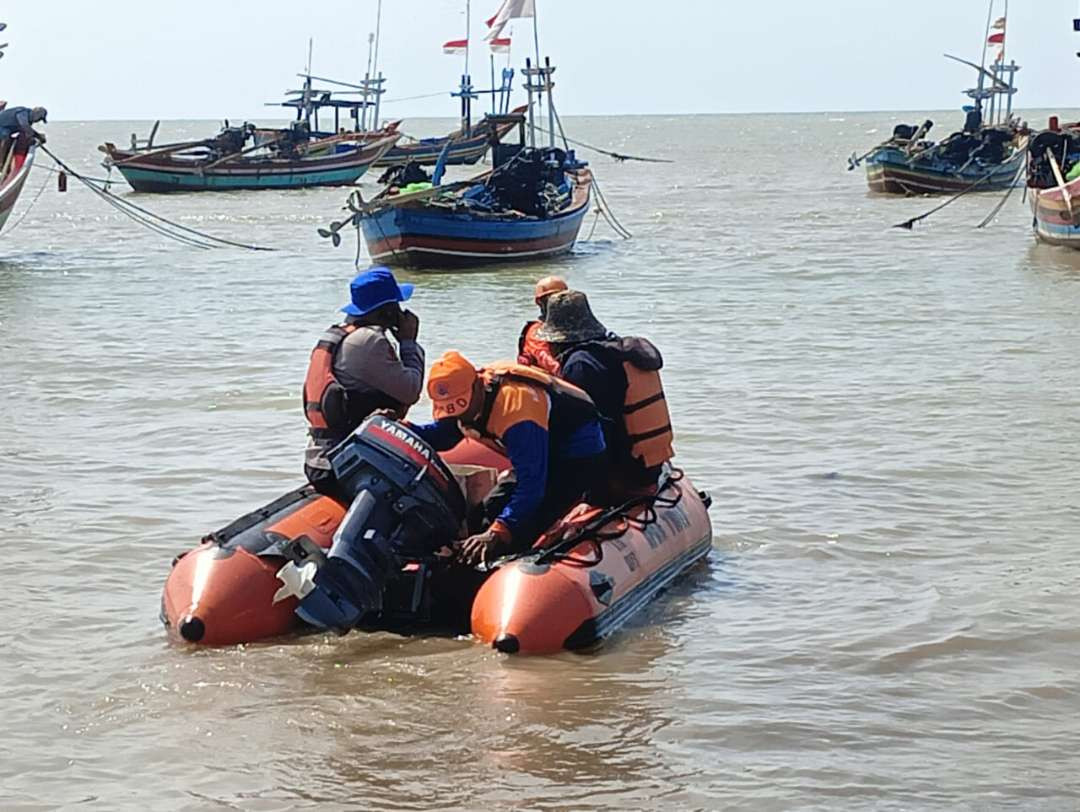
{"x": 826, "y": 111}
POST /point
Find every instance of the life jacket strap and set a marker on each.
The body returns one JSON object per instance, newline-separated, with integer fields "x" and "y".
{"x": 648, "y": 435}
{"x": 630, "y": 408}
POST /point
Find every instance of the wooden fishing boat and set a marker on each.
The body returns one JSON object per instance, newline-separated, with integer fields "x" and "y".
{"x": 529, "y": 206}
{"x": 1053, "y": 181}
{"x": 934, "y": 169}
{"x": 462, "y": 147}
{"x": 210, "y": 166}
{"x": 17, "y": 158}
{"x": 445, "y": 231}
{"x": 985, "y": 155}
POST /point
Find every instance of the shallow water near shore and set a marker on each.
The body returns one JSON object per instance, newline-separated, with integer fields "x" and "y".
{"x": 887, "y": 422}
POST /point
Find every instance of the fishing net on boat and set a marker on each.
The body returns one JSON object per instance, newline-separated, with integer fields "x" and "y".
{"x": 533, "y": 183}
{"x": 1064, "y": 145}
{"x": 404, "y": 174}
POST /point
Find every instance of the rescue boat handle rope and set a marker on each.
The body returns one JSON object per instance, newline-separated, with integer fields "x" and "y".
{"x": 909, "y": 224}
{"x": 592, "y": 530}
{"x": 150, "y": 220}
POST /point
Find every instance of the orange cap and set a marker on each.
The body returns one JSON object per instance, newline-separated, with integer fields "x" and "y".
{"x": 547, "y": 286}
{"x": 450, "y": 385}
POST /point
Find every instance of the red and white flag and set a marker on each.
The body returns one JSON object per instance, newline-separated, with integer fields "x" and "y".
{"x": 500, "y": 45}
{"x": 509, "y": 10}
{"x": 997, "y": 39}
{"x": 455, "y": 46}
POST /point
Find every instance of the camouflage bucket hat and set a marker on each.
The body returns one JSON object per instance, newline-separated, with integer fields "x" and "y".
{"x": 570, "y": 320}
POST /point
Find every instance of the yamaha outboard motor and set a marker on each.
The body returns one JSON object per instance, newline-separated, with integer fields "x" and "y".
{"x": 406, "y": 504}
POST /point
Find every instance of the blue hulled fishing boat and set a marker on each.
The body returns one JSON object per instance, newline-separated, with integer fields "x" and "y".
{"x": 529, "y": 205}
{"x": 987, "y": 154}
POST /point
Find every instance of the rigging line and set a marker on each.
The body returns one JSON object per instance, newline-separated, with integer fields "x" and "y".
{"x": 412, "y": 98}
{"x": 147, "y": 212}
{"x": 618, "y": 156}
{"x": 558, "y": 120}
{"x": 41, "y": 189}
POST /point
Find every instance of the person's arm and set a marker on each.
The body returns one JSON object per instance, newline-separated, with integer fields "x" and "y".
{"x": 22, "y": 121}
{"x": 402, "y": 378}
{"x": 442, "y": 435}
{"x": 527, "y": 447}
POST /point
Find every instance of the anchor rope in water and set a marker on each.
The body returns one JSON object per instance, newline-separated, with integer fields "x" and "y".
{"x": 1005, "y": 199}
{"x": 150, "y": 220}
{"x": 602, "y": 204}
{"x": 55, "y": 171}
{"x": 909, "y": 224}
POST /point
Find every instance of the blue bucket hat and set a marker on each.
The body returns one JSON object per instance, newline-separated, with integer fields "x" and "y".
{"x": 372, "y": 289}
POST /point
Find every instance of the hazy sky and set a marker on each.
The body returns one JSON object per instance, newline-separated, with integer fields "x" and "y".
{"x": 140, "y": 59}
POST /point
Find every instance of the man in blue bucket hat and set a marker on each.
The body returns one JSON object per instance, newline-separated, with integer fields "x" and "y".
{"x": 355, "y": 369}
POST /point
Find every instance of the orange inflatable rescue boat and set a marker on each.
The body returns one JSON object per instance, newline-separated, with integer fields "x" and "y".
{"x": 306, "y": 561}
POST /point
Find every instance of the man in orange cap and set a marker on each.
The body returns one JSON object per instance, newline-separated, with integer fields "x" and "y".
{"x": 531, "y": 350}
{"x": 550, "y": 430}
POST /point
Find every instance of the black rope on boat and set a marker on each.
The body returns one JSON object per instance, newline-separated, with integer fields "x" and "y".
{"x": 150, "y": 220}
{"x": 593, "y": 530}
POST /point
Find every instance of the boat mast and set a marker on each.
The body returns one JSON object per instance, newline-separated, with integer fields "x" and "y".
{"x": 999, "y": 64}
{"x": 982, "y": 62}
{"x": 536, "y": 45}
{"x": 466, "y": 79}
{"x": 362, "y": 123}
{"x": 375, "y": 64}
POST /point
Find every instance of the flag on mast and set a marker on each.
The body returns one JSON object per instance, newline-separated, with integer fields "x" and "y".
{"x": 998, "y": 38}
{"x": 500, "y": 45}
{"x": 509, "y": 10}
{"x": 455, "y": 46}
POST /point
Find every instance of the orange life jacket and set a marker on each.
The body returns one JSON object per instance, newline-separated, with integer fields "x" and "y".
{"x": 570, "y": 406}
{"x": 331, "y": 411}
{"x": 535, "y": 352}
{"x": 645, "y": 417}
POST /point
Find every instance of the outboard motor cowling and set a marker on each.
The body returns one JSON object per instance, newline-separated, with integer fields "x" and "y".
{"x": 406, "y": 504}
